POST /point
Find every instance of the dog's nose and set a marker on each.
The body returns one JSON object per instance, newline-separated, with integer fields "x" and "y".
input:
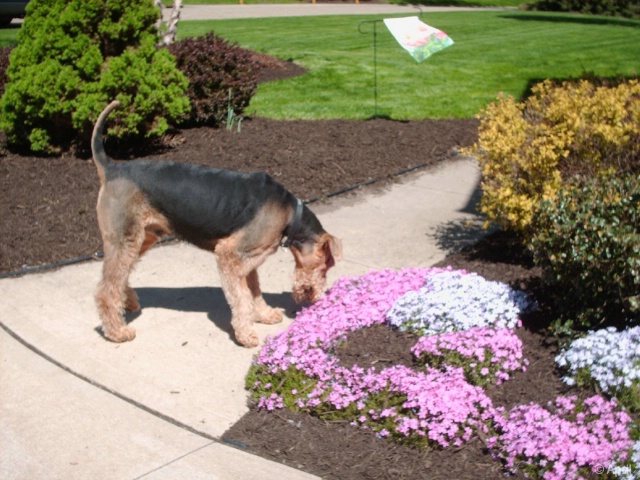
{"x": 307, "y": 294}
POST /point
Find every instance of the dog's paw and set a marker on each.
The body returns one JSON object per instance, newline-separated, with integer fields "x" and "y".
{"x": 270, "y": 316}
{"x": 247, "y": 339}
{"x": 124, "y": 334}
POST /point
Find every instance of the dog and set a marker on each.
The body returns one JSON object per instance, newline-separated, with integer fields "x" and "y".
{"x": 241, "y": 217}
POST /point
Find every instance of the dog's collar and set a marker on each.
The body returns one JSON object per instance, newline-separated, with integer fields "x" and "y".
{"x": 294, "y": 226}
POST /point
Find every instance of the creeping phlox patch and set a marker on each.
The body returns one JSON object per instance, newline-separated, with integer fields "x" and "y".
{"x": 569, "y": 439}
{"x": 486, "y": 355}
{"x": 432, "y": 407}
{"x": 631, "y": 469}
{"x": 615, "y": 370}
{"x": 350, "y": 304}
{"x": 467, "y": 342}
{"x": 454, "y": 300}
{"x": 298, "y": 369}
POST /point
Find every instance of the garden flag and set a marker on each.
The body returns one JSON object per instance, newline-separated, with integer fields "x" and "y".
{"x": 416, "y": 37}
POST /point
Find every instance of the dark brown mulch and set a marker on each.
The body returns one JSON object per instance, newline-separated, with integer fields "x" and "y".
{"x": 47, "y": 212}
{"x": 48, "y": 204}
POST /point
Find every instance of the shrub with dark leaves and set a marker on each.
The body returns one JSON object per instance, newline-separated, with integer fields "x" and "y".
{"x": 588, "y": 242}
{"x": 622, "y": 8}
{"x": 222, "y": 77}
{"x": 4, "y": 65}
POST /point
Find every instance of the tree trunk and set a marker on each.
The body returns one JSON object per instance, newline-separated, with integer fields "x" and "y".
{"x": 167, "y": 31}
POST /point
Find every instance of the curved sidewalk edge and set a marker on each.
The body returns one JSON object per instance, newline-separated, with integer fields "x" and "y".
{"x": 156, "y": 407}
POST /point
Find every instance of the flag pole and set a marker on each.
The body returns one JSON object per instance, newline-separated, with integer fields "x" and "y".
{"x": 375, "y": 61}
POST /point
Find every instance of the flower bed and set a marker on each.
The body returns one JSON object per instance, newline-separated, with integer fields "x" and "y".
{"x": 569, "y": 439}
{"x": 616, "y": 371}
{"x": 436, "y": 405}
{"x": 486, "y": 355}
{"x": 454, "y": 300}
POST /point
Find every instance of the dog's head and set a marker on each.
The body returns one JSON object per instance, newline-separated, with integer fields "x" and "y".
{"x": 313, "y": 260}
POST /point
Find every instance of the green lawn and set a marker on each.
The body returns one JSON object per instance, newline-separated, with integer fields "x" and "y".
{"x": 494, "y": 51}
{"x": 9, "y": 36}
{"x": 464, "y": 3}
{"x": 501, "y": 51}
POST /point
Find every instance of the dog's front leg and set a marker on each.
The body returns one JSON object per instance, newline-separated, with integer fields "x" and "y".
{"x": 265, "y": 313}
{"x": 238, "y": 294}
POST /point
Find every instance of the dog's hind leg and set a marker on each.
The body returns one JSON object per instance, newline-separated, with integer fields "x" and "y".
{"x": 264, "y": 313}
{"x": 114, "y": 292}
{"x": 131, "y": 302}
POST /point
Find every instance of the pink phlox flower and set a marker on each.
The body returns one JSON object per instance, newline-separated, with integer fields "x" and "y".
{"x": 439, "y": 404}
{"x": 388, "y": 412}
{"x": 501, "y": 347}
{"x": 271, "y": 402}
{"x": 562, "y": 438}
{"x": 351, "y": 304}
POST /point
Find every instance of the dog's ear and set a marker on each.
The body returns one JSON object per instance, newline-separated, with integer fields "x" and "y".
{"x": 332, "y": 248}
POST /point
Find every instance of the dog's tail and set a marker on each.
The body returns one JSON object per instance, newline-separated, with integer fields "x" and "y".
{"x": 100, "y": 157}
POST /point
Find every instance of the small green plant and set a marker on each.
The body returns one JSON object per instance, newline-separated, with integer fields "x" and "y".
{"x": 73, "y": 57}
{"x": 232, "y": 118}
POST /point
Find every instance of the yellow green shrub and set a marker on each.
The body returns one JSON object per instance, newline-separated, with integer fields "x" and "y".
{"x": 528, "y": 150}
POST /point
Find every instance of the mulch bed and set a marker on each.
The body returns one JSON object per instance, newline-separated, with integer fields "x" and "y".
{"x": 48, "y": 205}
{"x": 48, "y": 216}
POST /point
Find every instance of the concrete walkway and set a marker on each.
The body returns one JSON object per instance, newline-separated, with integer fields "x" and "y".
{"x": 74, "y": 406}
{"x": 220, "y": 12}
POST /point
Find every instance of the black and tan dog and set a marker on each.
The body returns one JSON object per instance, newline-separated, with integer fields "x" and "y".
{"x": 241, "y": 217}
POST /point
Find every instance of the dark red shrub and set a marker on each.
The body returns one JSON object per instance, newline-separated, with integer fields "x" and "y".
{"x": 213, "y": 67}
{"x": 4, "y": 65}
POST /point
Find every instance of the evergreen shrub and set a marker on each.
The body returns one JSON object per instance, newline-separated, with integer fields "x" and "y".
{"x": 75, "y": 56}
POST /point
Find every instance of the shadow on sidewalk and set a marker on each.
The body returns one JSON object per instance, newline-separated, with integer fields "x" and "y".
{"x": 208, "y": 300}
{"x": 454, "y": 235}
